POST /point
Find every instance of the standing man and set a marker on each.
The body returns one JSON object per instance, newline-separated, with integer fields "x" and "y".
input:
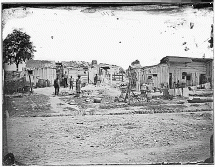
{"x": 57, "y": 86}
{"x": 71, "y": 80}
{"x": 65, "y": 80}
{"x": 78, "y": 85}
{"x": 95, "y": 79}
{"x": 178, "y": 86}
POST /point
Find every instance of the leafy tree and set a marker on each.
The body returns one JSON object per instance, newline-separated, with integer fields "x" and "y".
{"x": 135, "y": 62}
{"x": 17, "y": 48}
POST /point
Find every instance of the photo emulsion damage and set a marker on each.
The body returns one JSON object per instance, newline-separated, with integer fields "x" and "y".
{"x": 107, "y": 84}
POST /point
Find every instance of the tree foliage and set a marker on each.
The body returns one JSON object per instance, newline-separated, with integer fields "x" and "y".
{"x": 17, "y": 48}
{"x": 135, "y": 62}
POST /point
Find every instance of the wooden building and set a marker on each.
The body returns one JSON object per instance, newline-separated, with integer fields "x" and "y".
{"x": 188, "y": 71}
{"x": 41, "y": 69}
{"x": 156, "y": 76}
{"x": 171, "y": 69}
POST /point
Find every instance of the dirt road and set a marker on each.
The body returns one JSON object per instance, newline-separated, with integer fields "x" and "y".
{"x": 109, "y": 139}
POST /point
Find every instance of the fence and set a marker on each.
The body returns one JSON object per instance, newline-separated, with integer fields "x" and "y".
{"x": 116, "y": 77}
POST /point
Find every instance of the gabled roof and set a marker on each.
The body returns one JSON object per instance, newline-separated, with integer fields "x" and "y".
{"x": 183, "y": 59}
{"x": 40, "y": 64}
{"x": 176, "y": 59}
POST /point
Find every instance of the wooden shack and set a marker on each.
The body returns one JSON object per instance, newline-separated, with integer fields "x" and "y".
{"x": 156, "y": 76}
{"x": 41, "y": 70}
{"x": 171, "y": 69}
{"x": 186, "y": 70}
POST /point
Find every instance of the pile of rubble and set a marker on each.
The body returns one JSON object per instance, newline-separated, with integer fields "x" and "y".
{"x": 103, "y": 92}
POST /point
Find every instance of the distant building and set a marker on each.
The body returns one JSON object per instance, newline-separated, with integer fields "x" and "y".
{"x": 75, "y": 68}
{"x": 104, "y": 72}
{"x": 110, "y": 72}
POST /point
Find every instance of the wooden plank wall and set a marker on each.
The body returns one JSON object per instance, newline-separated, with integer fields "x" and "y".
{"x": 43, "y": 73}
{"x": 162, "y": 71}
{"x": 194, "y": 68}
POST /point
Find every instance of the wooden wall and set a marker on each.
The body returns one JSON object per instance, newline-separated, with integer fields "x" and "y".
{"x": 43, "y": 73}
{"x": 209, "y": 68}
{"x": 194, "y": 69}
{"x": 159, "y": 75}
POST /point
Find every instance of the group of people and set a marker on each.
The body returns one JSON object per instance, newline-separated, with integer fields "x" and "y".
{"x": 71, "y": 81}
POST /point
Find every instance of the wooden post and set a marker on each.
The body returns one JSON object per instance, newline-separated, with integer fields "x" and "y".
{"x": 129, "y": 87}
{"x": 111, "y": 78}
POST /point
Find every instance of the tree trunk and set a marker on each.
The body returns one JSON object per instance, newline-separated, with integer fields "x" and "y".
{"x": 31, "y": 91}
{"x": 17, "y": 66}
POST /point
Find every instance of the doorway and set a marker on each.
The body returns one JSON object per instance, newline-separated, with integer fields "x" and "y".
{"x": 189, "y": 80}
{"x": 170, "y": 80}
{"x": 202, "y": 79}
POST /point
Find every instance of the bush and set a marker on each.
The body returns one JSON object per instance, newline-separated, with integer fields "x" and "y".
{"x": 15, "y": 85}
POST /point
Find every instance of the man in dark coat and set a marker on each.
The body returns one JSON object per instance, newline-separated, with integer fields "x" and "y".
{"x": 78, "y": 86}
{"x": 95, "y": 79}
{"x": 57, "y": 86}
{"x": 65, "y": 80}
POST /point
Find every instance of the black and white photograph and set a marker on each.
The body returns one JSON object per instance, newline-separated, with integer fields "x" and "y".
{"x": 107, "y": 83}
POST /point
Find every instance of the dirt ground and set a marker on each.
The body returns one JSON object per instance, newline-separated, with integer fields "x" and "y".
{"x": 62, "y": 133}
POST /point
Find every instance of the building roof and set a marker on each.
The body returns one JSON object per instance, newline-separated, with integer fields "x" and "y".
{"x": 76, "y": 64}
{"x": 183, "y": 59}
{"x": 136, "y": 66}
{"x": 176, "y": 59}
{"x": 146, "y": 67}
{"x": 202, "y": 59}
{"x": 40, "y": 64}
{"x": 107, "y": 65}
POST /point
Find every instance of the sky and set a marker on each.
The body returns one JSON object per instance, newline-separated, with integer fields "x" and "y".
{"x": 113, "y": 35}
